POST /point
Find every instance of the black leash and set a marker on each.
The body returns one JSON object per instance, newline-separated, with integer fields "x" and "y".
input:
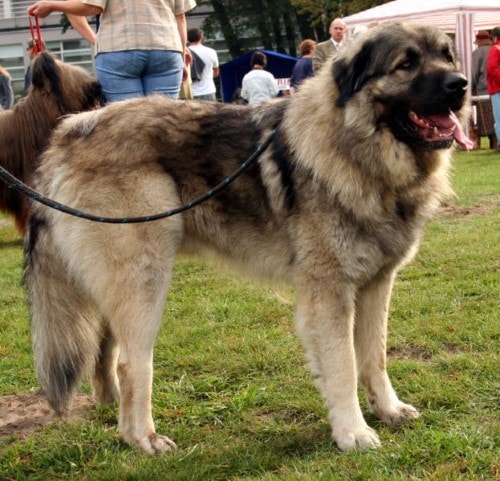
{"x": 16, "y": 184}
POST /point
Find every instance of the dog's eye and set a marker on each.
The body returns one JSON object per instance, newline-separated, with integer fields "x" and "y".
{"x": 406, "y": 65}
{"x": 449, "y": 56}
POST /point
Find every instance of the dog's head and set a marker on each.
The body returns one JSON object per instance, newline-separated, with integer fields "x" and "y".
{"x": 72, "y": 88}
{"x": 409, "y": 75}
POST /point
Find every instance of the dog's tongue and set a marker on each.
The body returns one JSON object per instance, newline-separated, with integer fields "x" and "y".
{"x": 449, "y": 121}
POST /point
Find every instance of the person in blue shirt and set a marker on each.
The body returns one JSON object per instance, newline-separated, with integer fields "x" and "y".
{"x": 304, "y": 66}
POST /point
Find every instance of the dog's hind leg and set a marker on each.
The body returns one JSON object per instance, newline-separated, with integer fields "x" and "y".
{"x": 133, "y": 304}
{"x": 104, "y": 378}
{"x": 127, "y": 269}
{"x": 325, "y": 318}
{"x": 370, "y": 341}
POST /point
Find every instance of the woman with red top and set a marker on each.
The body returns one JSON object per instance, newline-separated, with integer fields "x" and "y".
{"x": 493, "y": 79}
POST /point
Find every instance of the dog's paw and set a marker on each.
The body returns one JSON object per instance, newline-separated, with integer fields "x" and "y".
{"x": 397, "y": 414}
{"x": 365, "y": 438}
{"x": 155, "y": 444}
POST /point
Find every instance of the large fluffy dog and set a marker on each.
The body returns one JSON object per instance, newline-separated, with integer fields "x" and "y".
{"x": 336, "y": 204}
{"x": 57, "y": 89}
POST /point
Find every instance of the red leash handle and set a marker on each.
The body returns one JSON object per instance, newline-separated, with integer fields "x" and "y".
{"x": 36, "y": 36}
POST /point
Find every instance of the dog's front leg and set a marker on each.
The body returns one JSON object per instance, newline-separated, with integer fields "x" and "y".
{"x": 372, "y": 307}
{"x": 134, "y": 325}
{"x": 325, "y": 318}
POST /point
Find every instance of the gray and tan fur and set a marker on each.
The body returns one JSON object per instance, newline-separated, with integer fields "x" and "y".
{"x": 337, "y": 204}
{"x": 56, "y": 89}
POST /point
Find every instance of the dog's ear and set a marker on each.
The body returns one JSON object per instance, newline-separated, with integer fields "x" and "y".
{"x": 45, "y": 75}
{"x": 352, "y": 74}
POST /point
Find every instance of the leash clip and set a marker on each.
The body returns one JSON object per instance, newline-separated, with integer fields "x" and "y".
{"x": 36, "y": 36}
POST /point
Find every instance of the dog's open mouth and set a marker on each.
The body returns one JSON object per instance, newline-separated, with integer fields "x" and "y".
{"x": 435, "y": 131}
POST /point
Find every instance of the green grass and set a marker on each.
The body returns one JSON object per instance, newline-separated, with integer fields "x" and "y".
{"x": 232, "y": 389}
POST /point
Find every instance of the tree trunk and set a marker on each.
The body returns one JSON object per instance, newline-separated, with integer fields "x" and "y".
{"x": 232, "y": 41}
{"x": 290, "y": 33}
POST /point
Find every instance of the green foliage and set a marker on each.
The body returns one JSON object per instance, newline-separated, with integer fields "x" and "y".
{"x": 275, "y": 25}
{"x": 65, "y": 24}
{"x": 232, "y": 389}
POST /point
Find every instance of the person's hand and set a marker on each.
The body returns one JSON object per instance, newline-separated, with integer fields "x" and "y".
{"x": 188, "y": 58}
{"x": 40, "y": 9}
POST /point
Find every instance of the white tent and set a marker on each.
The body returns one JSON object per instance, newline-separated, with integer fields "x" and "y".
{"x": 460, "y": 17}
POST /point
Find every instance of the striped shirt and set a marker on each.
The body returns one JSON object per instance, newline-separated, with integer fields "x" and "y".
{"x": 139, "y": 24}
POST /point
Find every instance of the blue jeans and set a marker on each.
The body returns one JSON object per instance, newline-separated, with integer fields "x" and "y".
{"x": 137, "y": 73}
{"x": 495, "y": 103}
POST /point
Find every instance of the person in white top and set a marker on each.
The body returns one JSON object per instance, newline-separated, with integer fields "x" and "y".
{"x": 203, "y": 87}
{"x": 259, "y": 85}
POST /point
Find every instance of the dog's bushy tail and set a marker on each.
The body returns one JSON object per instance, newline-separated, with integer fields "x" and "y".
{"x": 65, "y": 328}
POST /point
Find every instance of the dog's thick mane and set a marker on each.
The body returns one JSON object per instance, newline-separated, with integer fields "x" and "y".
{"x": 36, "y": 118}
{"x": 347, "y": 137}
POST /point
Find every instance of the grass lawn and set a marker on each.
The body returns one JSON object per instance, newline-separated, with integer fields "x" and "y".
{"x": 232, "y": 388}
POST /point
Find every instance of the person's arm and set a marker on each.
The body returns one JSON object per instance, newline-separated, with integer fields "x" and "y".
{"x": 475, "y": 73}
{"x": 318, "y": 59}
{"x": 274, "y": 89}
{"x": 188, "y": 58}
{"x": 216, "y": 71}
{"x": 182, "y": 28}
{"x": 245, "y": 94}
{"x": 44, "y": 8}
{"x": 81, "y": 25}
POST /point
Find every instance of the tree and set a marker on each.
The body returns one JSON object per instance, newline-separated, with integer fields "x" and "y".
{"x": 320, "y": 13}
{"x": 276, "y": 24}
{"x": 271, "y": 24}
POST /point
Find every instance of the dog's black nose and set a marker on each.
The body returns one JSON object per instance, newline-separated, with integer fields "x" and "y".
{"x": 455, "y": 83}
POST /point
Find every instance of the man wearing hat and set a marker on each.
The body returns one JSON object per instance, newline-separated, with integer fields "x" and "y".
{"x": 484, "y": 110}
{"x": 493, "y": 79}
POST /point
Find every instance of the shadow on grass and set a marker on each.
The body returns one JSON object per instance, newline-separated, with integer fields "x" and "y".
{"x": 108, "y": 457}
{"x": 258, "y": 454}
{"x": 7, "y": 244}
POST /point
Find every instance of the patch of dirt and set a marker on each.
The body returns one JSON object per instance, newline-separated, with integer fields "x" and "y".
{"x": 409, "y": 352}
{"x": 452, "y": 210}
{"x": 22, "y": 414}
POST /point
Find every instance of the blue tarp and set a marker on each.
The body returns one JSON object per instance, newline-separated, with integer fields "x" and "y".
{"x": 232, "y": 72}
